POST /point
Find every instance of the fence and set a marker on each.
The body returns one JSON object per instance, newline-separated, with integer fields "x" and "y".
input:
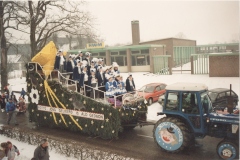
{"x": 182, "y": 55}
{"x": 161, "y": 65}
{"x": 200, "y": 63}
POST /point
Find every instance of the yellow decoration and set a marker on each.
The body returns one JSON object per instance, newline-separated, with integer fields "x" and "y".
{"x": 54, "y": 97}
{"x": 92, "y": 122}
{"x": 107, "y": 120}
{"x": 84, "y": 102}
{"x": 46, "y": 58}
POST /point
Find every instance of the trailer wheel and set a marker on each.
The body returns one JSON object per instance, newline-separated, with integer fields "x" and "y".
{"x": 227, "y": 149}
{"x": 172, "y": 135}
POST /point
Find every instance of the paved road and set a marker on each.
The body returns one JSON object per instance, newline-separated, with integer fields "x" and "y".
{"x": 137, "y": 143}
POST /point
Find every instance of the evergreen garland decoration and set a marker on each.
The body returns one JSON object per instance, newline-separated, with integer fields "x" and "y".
{"x": 107, "y": 129}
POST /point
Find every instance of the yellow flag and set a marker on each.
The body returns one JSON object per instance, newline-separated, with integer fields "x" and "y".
{"x": 46, "y": 58}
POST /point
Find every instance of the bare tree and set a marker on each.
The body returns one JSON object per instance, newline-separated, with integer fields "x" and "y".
{"x": 181, "y": 35}
{"x": 7, "y": 12}
{"x": 44, "y": 18}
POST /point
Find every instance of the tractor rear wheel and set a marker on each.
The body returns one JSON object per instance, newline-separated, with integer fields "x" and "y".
{"x": 172, "y": 135}
{"x": 227, "y": 149}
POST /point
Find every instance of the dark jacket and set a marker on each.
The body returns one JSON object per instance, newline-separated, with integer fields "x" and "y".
{"x": 128, "y": 87}
{"x": 41, "y": 153}
{"x": 69, "y": 67}
{"x": 76, "y": 74}
{"x": 100, "y": 79}
{"x": 57, "y": 62}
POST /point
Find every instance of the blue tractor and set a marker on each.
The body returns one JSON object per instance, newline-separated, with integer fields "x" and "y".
{"x": 189, "y": 114}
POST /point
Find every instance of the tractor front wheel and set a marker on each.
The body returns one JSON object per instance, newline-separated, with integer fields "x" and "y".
{"x": 227, "y": 149}
{"x": 172, "y": 135}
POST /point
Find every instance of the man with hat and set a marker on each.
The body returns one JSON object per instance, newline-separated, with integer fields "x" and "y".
{"x": 80, "y": 56}
{"x": 10, "y": 110}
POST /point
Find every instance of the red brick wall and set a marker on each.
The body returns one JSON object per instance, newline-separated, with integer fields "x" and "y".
{"x": 224, "y": 66}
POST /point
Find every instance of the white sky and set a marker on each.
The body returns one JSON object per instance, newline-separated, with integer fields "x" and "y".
{"x": 204, "y": 21}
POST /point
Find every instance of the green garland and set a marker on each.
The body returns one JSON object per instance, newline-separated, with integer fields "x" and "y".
{"x": 107, "y": 129}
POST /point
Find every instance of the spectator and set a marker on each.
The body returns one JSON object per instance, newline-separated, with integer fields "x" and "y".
{"x": 130, "y": 85}
{"x": 11, "y": 151}
{"x": 10, "y": 109}
{"x": 41, "y": 152}
{"x": 8, "y": 89}
{"x": 21, "y": 105}
{"x": 3, "y": 150}
{"x": 23, "y": 93}
{"x": 3, "y": 101}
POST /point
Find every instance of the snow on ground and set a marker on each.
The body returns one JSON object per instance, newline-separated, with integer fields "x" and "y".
{"x": 26, "y": 150}
{"x": 140, "y": 79}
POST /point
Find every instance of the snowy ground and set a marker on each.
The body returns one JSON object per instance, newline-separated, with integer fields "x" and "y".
{"x": 140, "y": 79}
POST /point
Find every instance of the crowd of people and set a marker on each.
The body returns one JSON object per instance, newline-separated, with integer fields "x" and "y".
{"x": 11, "y": 105}
{"x": 94, "y": 75}
{"x": 8, "y": 151}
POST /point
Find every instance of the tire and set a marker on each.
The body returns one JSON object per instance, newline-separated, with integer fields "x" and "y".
{"x": 172, "y": 135}
{"x": 227, "y": 149}
{"x": 150, "y": 101}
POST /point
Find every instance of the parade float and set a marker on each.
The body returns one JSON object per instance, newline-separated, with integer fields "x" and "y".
{"x": 52, "y": 103}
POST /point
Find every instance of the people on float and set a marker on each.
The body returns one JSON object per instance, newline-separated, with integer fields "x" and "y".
{"x": 130, "y": 85}
{"x": 101, "y": 62}
{"x": 88, "y": 58}
{"x": 85, "y": 79}
{"x": 92, "y": 81}
{"x": 101, "y": 81}
{"x": 91, "y": 66}
{"x": 109, "y": 86}
{"x": 116, "y": 84}
{"x": 76, "y": 74}
{"x": 69, "y": 68}
{"x": 59, "y": 61}
{"x": 122, "y": 85}
{"x": 115, "y": 67}
{"x": 80, "y": 56}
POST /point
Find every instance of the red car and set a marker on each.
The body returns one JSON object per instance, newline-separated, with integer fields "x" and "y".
{"x": 151, "y": 92}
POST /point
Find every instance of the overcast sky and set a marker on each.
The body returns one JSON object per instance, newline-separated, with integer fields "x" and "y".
{"x": 204, "y": 21}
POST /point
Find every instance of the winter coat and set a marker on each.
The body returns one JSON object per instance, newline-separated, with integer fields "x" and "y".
{"x": 41, "y": 153}
{"x": 57, "y": 62}
{"x": 76, "y": 74}
{"x": 128, "y": 87}
{"x": 69, "y": 67}
{"x": 23, "y": 93}
{"x": 101, "y": 81}
{"x": 11, "y": 153}
{"x": 10, "y": 106}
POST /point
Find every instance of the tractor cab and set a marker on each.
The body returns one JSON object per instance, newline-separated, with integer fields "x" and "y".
{"x": 189, "y": 102}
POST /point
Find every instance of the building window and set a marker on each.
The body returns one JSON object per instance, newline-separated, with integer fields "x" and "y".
{"x": 135, "y": 52}
{"x": 102, "y": 54}
{"x": 94, "y": 54}
{"x": 140, "y": 60}
{"x": 121, "y": 60}
{"x": 145, "y": 51}
{"x": 114, "y": 53}
{"x": 123, "y": 53}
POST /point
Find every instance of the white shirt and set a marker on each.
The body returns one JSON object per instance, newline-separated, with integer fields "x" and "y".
{"x": 61, "y": 60}
{"x": 79, "y": 70}
{"x": 73, "y": 65}
{"x": 85, "y": 76}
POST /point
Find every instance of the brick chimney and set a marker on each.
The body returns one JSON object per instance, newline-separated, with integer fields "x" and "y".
{"x": 135, "y": 32}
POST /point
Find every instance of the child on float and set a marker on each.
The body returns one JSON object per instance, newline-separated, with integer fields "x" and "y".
{"x": 109, "y": 86}
{"x": 85, "y": 79}
{"x": 122, "y": 85}
{"x": 115, "y": 68}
